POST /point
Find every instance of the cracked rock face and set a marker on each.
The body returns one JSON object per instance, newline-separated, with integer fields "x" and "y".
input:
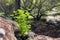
{"x": 6, "y": 30}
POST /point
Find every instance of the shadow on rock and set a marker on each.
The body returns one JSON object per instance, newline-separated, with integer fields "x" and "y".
{"x": 47, "y": 29}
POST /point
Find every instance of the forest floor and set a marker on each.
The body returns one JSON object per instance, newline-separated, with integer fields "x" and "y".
{"x": 45, "y": 31}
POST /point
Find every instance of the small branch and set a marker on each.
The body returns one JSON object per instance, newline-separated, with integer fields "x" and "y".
{"x": 50, "y": 8}
{"x": 40, "y": 7}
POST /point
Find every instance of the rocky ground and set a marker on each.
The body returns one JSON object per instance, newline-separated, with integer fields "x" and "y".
{"x": 41, "y": 37}
{"x": 45, "y": 31}
{"x": 6, "y": 29}
{"x": 40, "y": 30}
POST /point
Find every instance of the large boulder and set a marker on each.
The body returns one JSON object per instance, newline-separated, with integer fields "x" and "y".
{"x": 7, "y": 29}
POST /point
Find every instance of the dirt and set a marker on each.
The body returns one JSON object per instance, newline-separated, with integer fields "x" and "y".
{"x": 45, "y": 31}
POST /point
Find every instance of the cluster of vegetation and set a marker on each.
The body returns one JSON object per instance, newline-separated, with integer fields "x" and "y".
{"x": 22, "y": 18}
{"x": 1, "y": 13}
{"x": 37, "y": 8}
{"x": 26, "y": 9}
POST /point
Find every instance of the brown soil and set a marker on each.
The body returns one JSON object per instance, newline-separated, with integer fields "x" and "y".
{"x": 46, "y": 31}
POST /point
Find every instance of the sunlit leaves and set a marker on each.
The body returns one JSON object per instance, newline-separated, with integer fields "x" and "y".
{"x": 21, "y": 17}
{"x": 1, "y": 13}
{"x": 9, "y": 2}
{"x": 41, "y": 5}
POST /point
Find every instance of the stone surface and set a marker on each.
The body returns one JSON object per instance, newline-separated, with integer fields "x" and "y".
{"x": 40, "y": 37}
{"x": 8, "y": 26}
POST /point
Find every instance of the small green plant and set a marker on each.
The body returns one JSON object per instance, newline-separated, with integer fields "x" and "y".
{"x": 22, "y": 17}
